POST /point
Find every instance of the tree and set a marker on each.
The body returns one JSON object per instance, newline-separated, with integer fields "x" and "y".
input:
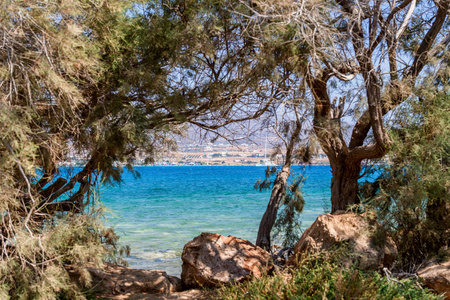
{"x": 161, "y": 66}
{"x": 104, "y": 81}
{"x": 411, "y": 194}
{"x": 293, "y": 149}
{"x": 369, "y": 56}
{"x": 279, "y": 185}
{"x": 49, "y": 53}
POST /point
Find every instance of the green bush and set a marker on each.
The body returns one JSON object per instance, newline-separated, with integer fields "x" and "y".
{"x": 39, "y": 268}
{"x": 411, "y": 195}
{"x": 322, "y": 277}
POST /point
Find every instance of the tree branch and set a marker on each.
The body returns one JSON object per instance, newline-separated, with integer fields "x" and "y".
{"x": 362, "y": 126}
{"x": 406, "y": 20}
{"x": 422, "y": 57}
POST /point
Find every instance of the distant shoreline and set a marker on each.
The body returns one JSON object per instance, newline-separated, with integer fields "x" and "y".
{"x": 249, "y": 165}
{"x": 195, "y": 165}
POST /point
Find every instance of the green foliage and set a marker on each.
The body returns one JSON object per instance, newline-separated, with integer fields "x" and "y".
{"x": 50, "y": 64}
{"x": 322, "y": 277}
{"x": 267, "y": 183}
{"x": 412, "y": 194}
{"x": 39, "y": 271}
{"x": 287, "y": 225}
{"x": 107, "y": 81}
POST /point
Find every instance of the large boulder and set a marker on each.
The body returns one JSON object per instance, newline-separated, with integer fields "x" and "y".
{"x": 113, "y": 279}
{"x": 212, "y": 259}
{"x": 368, "y": 242}
{"x": 437, "y": 278}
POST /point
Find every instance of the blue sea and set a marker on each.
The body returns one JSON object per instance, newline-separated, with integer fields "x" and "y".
{"x": 158, "y": 213}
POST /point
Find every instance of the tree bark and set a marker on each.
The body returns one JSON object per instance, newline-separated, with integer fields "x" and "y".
{"x": 344, "y": 184}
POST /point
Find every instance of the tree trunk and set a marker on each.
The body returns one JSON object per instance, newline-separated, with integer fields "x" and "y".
{"x": 270, "y": 215}
{"x": 278, "y": 191}
{"x": 344, "y": 184}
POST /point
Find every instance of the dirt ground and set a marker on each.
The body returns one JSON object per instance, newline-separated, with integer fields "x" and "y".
{"x": 185, "y": 295}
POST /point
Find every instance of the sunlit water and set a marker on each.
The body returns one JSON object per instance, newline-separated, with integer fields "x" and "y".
{"x": 157, "y": 214}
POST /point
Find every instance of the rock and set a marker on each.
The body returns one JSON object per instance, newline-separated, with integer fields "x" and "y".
{"x": 373, "y": 248}
{"x": 115, "y": 280}
{"x": 212, "y": 259}
{"x": 437, "y": 278}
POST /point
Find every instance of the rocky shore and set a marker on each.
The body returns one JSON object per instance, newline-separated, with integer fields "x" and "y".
{"x": 211, "y": 260}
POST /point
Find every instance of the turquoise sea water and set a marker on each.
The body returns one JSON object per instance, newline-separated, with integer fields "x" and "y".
{"x": 160, "y": 212}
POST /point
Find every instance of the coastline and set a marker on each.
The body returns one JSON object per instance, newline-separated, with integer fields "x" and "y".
{"x": 72, "y": 164}
{"x": 208, "y": 155}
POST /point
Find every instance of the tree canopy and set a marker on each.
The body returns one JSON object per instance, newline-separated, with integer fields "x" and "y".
{"x": 363, "y": 60}
{"x": 108, "y": 80}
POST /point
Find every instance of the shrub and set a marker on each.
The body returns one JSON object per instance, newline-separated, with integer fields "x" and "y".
{"x": 412, "y": 194}
{"x": 37, "y": 269}
{"x": 322, "y": 277}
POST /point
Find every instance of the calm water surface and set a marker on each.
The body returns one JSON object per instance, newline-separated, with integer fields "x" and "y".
{"x": 160, "y": 212}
